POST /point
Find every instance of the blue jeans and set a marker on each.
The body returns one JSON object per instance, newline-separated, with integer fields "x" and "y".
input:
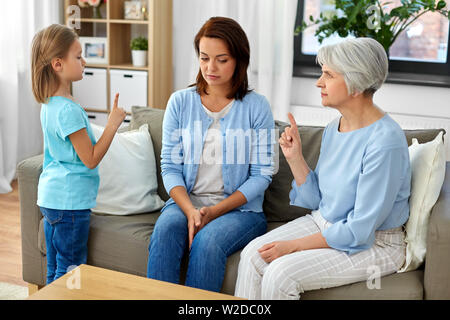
{"x": 66, "y": 236}
{"x": 210, "y": 248}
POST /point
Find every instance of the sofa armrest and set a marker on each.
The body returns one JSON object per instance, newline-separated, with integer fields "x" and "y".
{"x": 437, "y": 260}
{"x": 33, "y": 261}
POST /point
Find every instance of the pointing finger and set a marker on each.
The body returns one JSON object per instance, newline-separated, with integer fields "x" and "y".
{"x": 292, "y": 121}
{"x": 116, "y": 101}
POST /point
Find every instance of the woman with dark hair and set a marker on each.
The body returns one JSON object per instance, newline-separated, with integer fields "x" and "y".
{"x": 216, "y": 163}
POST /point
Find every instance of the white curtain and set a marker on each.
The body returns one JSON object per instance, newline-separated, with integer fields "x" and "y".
{"x": 269, "y": 25}
{"x": 20, "y": 129}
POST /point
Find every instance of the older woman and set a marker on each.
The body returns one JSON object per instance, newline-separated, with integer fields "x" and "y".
{"x": 216, "y": 163}
{"x": 358, "y": 191}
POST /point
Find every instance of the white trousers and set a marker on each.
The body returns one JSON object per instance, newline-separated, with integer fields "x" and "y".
{"x": 290, "y": 275}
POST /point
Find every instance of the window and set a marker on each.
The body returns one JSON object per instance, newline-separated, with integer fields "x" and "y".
{"x": 422, "y": 48}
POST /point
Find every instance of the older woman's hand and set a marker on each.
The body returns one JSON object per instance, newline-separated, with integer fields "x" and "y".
{"x": 274, "y": 250}
{"x": 290, "y": 141}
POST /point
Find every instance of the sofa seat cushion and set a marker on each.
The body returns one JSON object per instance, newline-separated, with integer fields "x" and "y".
{"x": 397, "y": 286}
{"x": 117, "y": 243}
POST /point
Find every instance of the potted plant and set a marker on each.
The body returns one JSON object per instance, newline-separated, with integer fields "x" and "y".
{"x": 368, "y": 18}
{"x": 139, "y": 48}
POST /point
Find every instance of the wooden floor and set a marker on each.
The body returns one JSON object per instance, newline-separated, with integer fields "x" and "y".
{"x": 10, "y": 244}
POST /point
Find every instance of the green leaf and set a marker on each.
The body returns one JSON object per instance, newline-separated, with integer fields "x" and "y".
{"x": 355, "y": 12}
{"x": 441, "y": 5}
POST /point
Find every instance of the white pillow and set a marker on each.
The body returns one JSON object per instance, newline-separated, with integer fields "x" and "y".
{"x": 128, "y": 183}
{"x": 427, "y": 176}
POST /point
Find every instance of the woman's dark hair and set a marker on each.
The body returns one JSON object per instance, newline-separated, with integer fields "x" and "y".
{"x": 231, "y": 32}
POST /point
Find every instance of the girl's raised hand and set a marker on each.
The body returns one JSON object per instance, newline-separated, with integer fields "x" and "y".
{"x": 117, "y": 114}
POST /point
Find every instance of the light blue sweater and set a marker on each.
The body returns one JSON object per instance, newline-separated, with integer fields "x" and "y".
{"x": 65, "y": 182}
{"x": 361, "y": 183}
{"x": 248, "y": 141}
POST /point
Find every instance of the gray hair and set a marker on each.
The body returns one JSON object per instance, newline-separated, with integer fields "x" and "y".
{"x": 362, "y": 61}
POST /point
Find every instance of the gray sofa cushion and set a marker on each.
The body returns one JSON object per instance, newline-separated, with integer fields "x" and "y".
{"x": 276, "y": 198}
{"x": 397, "y": 286}
{"x": 154, "y": 118}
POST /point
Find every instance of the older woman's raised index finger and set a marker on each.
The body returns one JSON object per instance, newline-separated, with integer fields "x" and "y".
{"x": 292, "y": 121}
{"x": 293, "y": 129}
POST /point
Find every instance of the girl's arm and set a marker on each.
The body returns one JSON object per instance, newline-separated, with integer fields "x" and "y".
{"x": 89, "y": 154}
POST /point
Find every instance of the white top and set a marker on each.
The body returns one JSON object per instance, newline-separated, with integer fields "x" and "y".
{"x": 208, "y": 186}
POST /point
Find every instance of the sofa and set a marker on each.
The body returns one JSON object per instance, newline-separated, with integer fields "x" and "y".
{"x": 121, "y": 242}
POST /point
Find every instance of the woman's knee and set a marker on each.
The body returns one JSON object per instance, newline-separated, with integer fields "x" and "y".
{"x": 250, "y": 251}
{"x": 206, "y": 244}
{"x": 277, "y": 283}
{"x": 172, "y": 219}
{"x": 171, "y": 225}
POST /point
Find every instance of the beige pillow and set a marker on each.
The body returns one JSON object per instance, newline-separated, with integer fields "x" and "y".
{"x": 427, "y": 176}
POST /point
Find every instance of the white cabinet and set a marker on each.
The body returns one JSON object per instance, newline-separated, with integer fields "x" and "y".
{"x": 91, "y": 92}
{"x": 101, "y": 119}
{"x": 131, "y": 86}
{"x": 98, "y": 118}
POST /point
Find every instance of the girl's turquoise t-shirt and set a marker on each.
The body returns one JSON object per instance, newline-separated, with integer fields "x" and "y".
{"x": 65, "y": 182}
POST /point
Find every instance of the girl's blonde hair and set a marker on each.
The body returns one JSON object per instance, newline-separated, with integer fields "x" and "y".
{"x": 48, "y": 44}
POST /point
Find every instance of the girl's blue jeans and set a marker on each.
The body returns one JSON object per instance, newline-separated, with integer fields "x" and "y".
{"x": 66, "y": 236}
{"x": 210, "y": 248}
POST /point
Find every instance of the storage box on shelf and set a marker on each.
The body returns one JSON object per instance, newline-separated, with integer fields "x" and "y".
{"x": 101, "y": 118}
{"x": 91, "y": 92}
{"x": 132, "y": 87}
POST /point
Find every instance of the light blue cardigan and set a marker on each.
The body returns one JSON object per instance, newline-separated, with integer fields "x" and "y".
{"x": 248, "y": 142}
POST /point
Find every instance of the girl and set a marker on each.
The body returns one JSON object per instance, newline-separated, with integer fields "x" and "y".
{"x": 215, "y": 207}
{"x": 69, "y": 180}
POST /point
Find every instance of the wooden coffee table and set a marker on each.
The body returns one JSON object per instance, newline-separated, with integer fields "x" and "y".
{"x": 93, "y": 283}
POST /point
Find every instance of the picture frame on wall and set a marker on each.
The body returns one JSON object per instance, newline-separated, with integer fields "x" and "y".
{"x": 95, "y": 49}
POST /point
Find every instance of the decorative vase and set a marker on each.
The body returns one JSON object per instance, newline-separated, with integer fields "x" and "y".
{"x": 139, "y": 58}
